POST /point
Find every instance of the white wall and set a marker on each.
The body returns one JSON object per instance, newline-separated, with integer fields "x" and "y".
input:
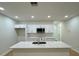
{"x": 70, "y": 32}
{"x": 7, "y": 33}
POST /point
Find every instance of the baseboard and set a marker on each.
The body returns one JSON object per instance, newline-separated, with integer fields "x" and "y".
{"x": 73, "y": 52}
{"x": 6, "y": 52}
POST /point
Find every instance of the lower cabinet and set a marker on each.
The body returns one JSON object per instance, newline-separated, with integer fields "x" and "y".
{"x": 41, "y": 52}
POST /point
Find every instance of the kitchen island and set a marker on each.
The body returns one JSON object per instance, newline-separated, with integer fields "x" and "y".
{"x": 51, "y": 48}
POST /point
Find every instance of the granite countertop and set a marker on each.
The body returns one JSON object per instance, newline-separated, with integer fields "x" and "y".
{"x": 49, "y": 44}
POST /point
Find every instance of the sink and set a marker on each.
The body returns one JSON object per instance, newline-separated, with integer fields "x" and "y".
{"x": 39, "y": 43}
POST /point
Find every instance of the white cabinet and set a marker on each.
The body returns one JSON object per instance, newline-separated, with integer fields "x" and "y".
{"x": 20, "y": 26}
{"x": 49, "y": 28}
{"x": 32, "y": 28}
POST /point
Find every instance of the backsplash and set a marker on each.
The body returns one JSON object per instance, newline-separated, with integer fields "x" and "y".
{"x": 40, "y": 35}
{"x": 37, "y": 37}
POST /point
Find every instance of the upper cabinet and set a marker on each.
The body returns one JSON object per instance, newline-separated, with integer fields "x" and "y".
{"x": 49, "y": 28}
{"x": 20, "y": 26}
{"x": 32, "y": 28}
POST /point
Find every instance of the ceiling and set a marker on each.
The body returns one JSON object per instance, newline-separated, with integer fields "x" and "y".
{"x": 57, "y": 10}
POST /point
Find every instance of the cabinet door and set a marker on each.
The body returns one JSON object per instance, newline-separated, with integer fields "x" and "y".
{"x": 31, "y": 29}
{"x": 50, "y": 29}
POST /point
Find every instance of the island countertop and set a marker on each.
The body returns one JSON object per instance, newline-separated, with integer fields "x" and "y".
{"x": 49, "y": 44}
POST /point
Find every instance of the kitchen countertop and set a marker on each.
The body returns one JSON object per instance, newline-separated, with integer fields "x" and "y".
{"x": 49, "y": 44}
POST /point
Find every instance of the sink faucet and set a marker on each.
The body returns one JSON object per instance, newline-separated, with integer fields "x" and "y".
{"x": 39, "y": 40}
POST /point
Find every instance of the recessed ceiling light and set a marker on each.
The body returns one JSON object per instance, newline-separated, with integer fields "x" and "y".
{"x": 32, "y": 16}
{"x": 49, "y": 16}
{"x": 2, "y": 9}
{"x": 66, "y": 16}
{"x": 16, "y": 17}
